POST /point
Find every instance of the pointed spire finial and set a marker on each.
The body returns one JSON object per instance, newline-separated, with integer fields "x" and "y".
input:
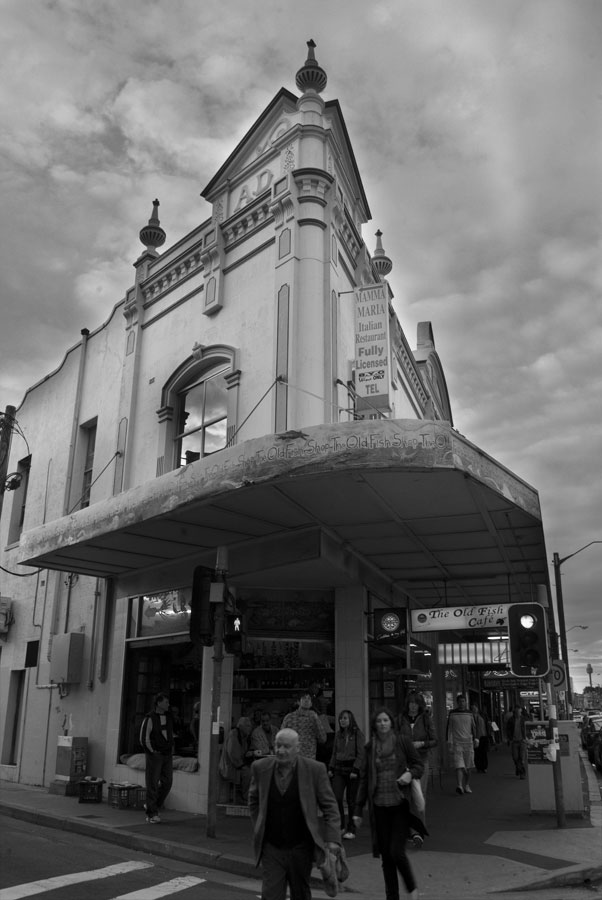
{"x": 380, "y": 260}
{"x": 152, "y": 235}
{"x": 311, "y": 76}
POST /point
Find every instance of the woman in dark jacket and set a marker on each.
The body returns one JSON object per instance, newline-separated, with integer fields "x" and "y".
{"x": 390, "y": 764}
{"x": 344, "y": 767}
{"x": 416, "y": 723}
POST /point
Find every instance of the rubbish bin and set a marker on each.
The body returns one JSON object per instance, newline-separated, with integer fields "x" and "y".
{"x": 541, "y": 777}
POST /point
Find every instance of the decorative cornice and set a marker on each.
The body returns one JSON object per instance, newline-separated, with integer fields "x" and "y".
{"x": 169, "y": 278}
{"x": 246, "y": 222}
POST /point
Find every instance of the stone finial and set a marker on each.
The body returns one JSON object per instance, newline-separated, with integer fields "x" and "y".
{"x": 311, "y": 76}
{"x": 380, "y": 260}
{"x": 152, "y": 235}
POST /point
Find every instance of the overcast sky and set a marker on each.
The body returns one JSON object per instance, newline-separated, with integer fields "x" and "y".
{"x": 477, "y": 128}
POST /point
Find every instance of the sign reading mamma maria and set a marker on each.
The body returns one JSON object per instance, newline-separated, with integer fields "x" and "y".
{"x": 372, "y": 348}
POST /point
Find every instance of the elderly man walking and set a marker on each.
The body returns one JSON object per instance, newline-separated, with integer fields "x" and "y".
{"x": 285, "y": 794}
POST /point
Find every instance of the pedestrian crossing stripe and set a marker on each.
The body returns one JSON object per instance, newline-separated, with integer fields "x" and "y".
{"x": 18, "y": 891}
{"x": 153, "y": 892}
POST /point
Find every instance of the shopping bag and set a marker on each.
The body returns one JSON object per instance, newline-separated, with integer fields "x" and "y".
{"x": 417, "y": 797}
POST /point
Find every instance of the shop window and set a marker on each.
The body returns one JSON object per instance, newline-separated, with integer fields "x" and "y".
{"x": 160, "y": 657}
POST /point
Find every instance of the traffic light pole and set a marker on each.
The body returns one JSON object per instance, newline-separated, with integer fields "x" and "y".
{"x": 216, "y": 692}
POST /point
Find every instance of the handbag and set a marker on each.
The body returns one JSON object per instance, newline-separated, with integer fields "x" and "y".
{"x": 416, "y": 795}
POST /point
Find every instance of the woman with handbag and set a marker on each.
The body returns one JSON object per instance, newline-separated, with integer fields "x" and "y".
{"x": 390, "y": 763}
{"x": 344, "y": 767}
{"x": 416, "y": 723}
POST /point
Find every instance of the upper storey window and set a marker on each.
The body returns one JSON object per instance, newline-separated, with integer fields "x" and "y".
{"x": 202, "y": 417}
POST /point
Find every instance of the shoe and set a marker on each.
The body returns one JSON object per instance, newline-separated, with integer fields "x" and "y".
{"x": 468, "y": 789}
{"x": 153, "y": 820}
{"x": 349, "y": 836}
{"x": 459, "y": 790}
{"x": 417, "y": 841}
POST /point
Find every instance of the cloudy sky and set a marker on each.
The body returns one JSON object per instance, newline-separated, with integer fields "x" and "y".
{"x": 477, "y": 127}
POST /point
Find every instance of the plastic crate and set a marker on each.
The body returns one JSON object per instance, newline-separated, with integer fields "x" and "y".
{"x": 90, "y": 790}
{"x": 240, "y": 811}
{"x": 119, "y": 795}
{"x": 138, "y": 797}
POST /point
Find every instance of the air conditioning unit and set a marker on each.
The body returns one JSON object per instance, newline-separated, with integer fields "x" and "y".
{"x": 67, "y": 658}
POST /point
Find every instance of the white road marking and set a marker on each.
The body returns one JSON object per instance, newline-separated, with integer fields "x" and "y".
{"x": 152, "y": 892}
{"x": 50, "y": 884}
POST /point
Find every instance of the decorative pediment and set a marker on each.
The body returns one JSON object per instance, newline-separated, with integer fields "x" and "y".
{"x": 255, "y": 162}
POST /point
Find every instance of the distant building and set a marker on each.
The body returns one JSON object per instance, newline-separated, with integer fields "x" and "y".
{"x": 254, "y": 391}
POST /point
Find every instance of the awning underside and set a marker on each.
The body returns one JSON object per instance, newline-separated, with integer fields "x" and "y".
{"x": 428, "y": 525}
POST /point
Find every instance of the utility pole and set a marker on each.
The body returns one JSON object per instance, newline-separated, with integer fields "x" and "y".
{"x": 219, "y": 592}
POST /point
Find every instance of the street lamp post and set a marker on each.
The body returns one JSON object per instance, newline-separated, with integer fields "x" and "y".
{"x": 561, "y": 624}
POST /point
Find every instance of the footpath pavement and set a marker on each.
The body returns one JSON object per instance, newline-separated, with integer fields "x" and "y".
{"x": 481, "y": 843}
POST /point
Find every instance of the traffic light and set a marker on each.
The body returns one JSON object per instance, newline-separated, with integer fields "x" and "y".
{"x": 201, "y": 609}
{"x": 528, "y": 639}
{"x": 233, "y": 633}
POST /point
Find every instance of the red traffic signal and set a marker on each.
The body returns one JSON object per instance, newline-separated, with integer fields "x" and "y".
{"x": 528, "y": 640}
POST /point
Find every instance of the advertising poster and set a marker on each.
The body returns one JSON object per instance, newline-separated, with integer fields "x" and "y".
{"x": 539, "y": 735}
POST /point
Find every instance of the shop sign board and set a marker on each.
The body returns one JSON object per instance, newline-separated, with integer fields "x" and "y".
{"x": 372, "y": 346}
{"x": 452, "y": 618}
{"x": 390, "y": 626}
{"x": 500, "y": 683}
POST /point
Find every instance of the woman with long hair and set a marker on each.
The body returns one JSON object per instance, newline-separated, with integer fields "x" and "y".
{"x": 344, "y": 767}
{"x": 390, "y": 763}
{"x": 416, "y": 723}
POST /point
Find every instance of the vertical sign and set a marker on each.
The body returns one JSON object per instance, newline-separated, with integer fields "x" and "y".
{"x": 372, "y": 347}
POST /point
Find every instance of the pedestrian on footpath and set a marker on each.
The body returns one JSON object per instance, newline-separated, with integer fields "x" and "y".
{"x": 236, "y": 759}
{"x": 344, "y": 768}
{"x": 389, "y": 765}
{"x": 481, "y": 756}
{"x": 263, "y": 737}
{"x": 156, "y": 736}
{"x": 306, "y": 722}
{"x": 461, "y": 737}
{"x": 516, "y": 735}
{"x": 416, "y": 723}
{"x": 287, "y": 790}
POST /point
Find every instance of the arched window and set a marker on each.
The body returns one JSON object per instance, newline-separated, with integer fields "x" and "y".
{"x": 202, "y": 421}
{"x": 199, "y": 408}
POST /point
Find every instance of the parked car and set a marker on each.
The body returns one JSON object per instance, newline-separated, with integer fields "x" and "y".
{"x": 589, "y": 730}
{"x": 597, "y": 750}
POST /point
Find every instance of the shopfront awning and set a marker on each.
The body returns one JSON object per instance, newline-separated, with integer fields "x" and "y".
{"x": 410, "y": 504}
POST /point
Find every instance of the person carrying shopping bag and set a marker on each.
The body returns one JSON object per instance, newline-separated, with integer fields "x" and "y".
{"x": 416, "y": 723}
{"x": 389, "y": 765}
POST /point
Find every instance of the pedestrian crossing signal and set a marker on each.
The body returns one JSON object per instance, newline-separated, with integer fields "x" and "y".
{"x": 233, "y": 633}
{"x": 528, "y": 640}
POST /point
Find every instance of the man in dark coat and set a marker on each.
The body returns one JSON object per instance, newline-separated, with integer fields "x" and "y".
{"x": 285, "y": 794}
{"x": 156, "y": 736}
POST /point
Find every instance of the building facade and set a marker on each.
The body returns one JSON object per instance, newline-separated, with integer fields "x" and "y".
{"x": 254, "y": 395}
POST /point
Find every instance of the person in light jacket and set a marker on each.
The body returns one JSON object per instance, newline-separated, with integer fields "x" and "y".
{"x": 390, "y": 764}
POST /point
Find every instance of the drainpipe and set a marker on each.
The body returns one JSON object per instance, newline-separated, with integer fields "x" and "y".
{"x": 6, "y": 430}
{"x": 75, "y": 421}
{"x": 92, "y": 663}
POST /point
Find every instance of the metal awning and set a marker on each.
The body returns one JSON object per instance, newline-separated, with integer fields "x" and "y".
{"x": 410, "y": 504}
